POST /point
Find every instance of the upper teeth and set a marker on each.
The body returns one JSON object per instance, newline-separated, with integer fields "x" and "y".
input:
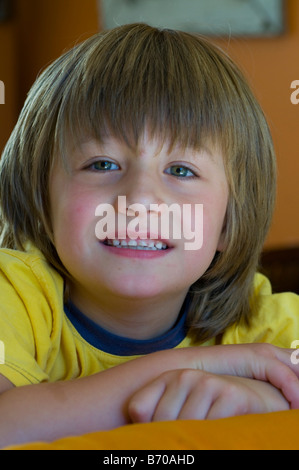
{"x": 137, "y": 244}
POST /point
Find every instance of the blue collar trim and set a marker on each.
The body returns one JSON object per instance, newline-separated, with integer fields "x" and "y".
{"x": 121, "y": 346}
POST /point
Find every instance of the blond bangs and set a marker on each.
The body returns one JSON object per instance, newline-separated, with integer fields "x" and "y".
{"x": 137, "y": 77}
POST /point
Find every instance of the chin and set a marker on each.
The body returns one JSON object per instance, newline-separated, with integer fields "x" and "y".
{"x": 138, "y": 290}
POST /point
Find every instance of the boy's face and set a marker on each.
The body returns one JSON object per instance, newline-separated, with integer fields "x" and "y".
{"x": 150, "y": 176}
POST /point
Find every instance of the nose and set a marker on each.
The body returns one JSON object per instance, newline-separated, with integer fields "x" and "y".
{"x": 143, "y": 189}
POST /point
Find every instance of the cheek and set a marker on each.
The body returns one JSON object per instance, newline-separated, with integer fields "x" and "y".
{"x": 74, "y": 219}
{"x": 212, "y": 227}
{"x": 215, "y": 211}
{"x": 208, "y": 221}
{"x": 199, "y": 251}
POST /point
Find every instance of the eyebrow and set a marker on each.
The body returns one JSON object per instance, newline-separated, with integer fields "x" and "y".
{"x": 201, "y": 153}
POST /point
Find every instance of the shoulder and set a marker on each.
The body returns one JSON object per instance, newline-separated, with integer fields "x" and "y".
{"x": 274, "y": 317}
{"x": 28, "y": 269}
{"x": 29, "y": 287}
{"x": 31, "y": 314}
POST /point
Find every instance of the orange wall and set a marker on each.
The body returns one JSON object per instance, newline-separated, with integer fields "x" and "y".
{"x": 271, "y": 65}
{"x": 38, "y": 32}
{"x": 42, "y": 29}
{"x": 47, "y": 28}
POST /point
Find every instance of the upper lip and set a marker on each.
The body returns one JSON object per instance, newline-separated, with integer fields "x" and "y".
{"x": 145, "y": 237}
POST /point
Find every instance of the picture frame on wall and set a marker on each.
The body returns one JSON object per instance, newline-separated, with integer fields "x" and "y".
{"x": 5, "y": 10}
{"x": 258, "y": 18}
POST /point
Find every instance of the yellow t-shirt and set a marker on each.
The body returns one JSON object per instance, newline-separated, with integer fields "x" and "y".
{"x": 39, "y": 343}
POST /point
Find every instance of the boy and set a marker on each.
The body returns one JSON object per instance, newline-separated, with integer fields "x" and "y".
{"x": 97, "y": 332}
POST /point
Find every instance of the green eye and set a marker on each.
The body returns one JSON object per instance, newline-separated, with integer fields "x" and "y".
{"x": 104, "y": 165}
{"x": 180, "y": 171}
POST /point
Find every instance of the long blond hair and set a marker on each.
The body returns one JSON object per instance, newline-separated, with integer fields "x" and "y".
{"x": 182, "y": 87}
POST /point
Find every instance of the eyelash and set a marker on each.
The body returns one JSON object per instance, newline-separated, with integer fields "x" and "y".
{"x": 92, "y": 166}
{"x": 167, "y": 171}
{"x": 193, "y": 174}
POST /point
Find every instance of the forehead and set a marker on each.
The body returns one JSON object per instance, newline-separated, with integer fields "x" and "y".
{"x": 146, "y": 143}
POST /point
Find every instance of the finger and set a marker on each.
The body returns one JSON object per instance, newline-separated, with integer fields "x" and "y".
{"x": 170, "y": 403}
{"x": 198, "y": 403}
{"x": 284, "y": 379}
{"x": 225, "y": 407}
{"x": 179, "y": 384}
{"x": 182, "y": 392}
{"x": 289, "y": 357}
{"x": 203, "y": 394}
{"x": 143, "y": 403}
{"x": 245, "y": 360}
{"x": 272, "y": 364}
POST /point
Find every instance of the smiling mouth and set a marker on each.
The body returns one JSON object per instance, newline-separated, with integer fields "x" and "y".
{"x": 142, "y": 245}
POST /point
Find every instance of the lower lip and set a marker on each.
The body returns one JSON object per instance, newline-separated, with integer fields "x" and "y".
{"x": 131, "y": 253}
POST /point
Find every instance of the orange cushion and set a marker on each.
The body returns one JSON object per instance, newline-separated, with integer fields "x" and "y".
{"x": 266, "y": 431}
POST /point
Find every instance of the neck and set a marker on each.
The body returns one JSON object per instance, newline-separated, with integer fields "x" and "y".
{"x": 132, "y": 318}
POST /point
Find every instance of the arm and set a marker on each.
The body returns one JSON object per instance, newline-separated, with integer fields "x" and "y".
{"x": 50, "y": 411}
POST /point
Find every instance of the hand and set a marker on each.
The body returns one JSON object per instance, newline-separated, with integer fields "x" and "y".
{"x": 263, "y": 362}
{"x": 194, "y": 394}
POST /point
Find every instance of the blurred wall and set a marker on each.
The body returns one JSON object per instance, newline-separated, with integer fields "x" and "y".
{"x": 37, "y": 32}
{"x": 40, "y": 30}
{"x": 271, "y": 65}
{"x": 8, "y": 75}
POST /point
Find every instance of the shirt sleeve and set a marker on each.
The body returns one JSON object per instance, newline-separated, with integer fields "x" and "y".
{"x": 274, "y": 320}
{"x": 26, "y": 321}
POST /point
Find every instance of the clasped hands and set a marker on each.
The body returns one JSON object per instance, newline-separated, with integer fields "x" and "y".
{"x": 222, "y": 381}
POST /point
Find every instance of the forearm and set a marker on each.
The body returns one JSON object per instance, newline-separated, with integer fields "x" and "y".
{"x": 50, "y": 411}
